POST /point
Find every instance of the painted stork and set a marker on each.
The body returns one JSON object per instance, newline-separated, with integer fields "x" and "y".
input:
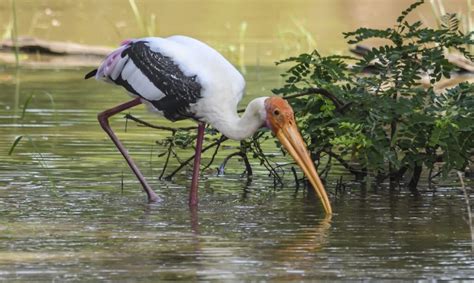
{"x": 180, "y": 77}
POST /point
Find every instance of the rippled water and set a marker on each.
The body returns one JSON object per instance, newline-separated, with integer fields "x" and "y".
{"x": 88, "y": 226}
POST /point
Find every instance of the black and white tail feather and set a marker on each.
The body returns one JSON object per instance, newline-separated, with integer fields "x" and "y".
{"x": 152, "y": 76}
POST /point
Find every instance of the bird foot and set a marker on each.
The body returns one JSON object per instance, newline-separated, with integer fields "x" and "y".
{"x": 153, "y": 198}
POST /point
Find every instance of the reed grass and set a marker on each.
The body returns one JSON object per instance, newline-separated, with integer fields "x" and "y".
{"x": 136, "y": 13}
{"x": 147, "y": 27}
{"x": 438, "y": 9}
{"x": 14, "y": 144}
{"x": 235, "y": 52}
{"x": 14, "y": 33}
{"x": 469, "y": 22}
{"x": 41, "y": 160}
{"x": 470, "y": 220}
{"x": 297, "y": 38}
{"x": 243, "y": 30}
{"x": 8, "y": 30}
{"x": 28, "y": 100}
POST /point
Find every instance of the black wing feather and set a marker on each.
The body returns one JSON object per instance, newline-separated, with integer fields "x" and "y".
{"x": 180, "y": 90}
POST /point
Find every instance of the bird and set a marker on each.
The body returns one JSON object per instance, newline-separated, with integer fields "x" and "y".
{"x": 180, "y": 77}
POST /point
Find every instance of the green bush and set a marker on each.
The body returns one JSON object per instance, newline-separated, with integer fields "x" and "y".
{"x": 374, "y": 116}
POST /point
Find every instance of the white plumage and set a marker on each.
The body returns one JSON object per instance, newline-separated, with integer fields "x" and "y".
{"x": 181, "y": 77}
{"x": 221, "y": 84}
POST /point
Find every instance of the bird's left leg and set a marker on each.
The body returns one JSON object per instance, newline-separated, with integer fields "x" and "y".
{"x": 193, "y": 193}
{"x": 104, "y": 123}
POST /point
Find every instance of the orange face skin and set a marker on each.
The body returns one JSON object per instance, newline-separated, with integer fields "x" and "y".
{"x": 281, "y": 120}
{"x": 279, "y": 113}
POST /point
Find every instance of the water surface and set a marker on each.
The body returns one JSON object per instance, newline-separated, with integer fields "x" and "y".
{"x": 94, "y": 222}
{"x": 71, "y": 210}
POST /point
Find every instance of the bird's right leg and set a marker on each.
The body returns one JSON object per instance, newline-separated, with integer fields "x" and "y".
{"x": 103, "y": 118}
{"x": 193, "y": 193}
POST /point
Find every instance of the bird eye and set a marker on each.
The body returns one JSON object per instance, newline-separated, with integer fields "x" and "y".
{"x": 276, "y": 112}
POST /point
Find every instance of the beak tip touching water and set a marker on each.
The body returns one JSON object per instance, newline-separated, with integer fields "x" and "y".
{"x": 280, "y": 117}
{"x": 295, "y": 145}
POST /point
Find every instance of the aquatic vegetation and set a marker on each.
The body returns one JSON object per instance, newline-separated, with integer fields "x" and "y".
{"x": 39, "y": 157}
{"x": 147, "y": 26}
{"x": 14, "y": 32}
{"x": 296, "y": 38}
{"x": 470, "y": 219}
{"x": 374, "y": 117}
{"x": 36, "y": 150}
{"x": 235, "y": 52}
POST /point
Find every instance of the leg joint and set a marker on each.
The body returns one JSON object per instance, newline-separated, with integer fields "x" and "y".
{"x": 103, "y": 118}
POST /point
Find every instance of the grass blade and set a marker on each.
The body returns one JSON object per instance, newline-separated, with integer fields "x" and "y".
{"x": 14, "y": 144}
{"x": 138, "y": 16}
{"x": 25, "y": 105}
{"x": 14, "y": 34}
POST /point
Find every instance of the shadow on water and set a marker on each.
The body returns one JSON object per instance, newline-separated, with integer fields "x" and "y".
{"x": 90, "y": 228}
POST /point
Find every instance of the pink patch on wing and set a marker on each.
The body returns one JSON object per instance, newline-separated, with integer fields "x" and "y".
{"x": 107, "y": 67}
{"x": 125, "y": 42}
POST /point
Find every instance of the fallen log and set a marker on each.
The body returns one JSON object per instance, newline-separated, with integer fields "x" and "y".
{"x": 35, "y": 52}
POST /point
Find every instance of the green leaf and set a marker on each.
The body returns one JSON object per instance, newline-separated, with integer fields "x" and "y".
{"x": 406, "y": 12}
{"x": 14, "y": 144}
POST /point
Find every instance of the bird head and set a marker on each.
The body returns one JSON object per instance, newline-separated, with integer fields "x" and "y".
{"x": 281, "y": 120}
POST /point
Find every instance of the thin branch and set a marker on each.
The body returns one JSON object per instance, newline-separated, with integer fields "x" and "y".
{"x": 186, "y": 162}
{"x": 248, "y": 167}
{"x": 325, "y": 171}
{"x": 221, "y": 139}
{"x": 340, "y": 105}
{"x": 337, "y": 102}
{"x": 144, "y": 123}
{"x": 344, "y": 163}
{"x": 297, "y": 181}
{"x": 265, "y": 162}
{"x": 166, "y": 161}
{"x": 281, "y": 165}
{"x": 431, "y": 176}
{"x": 175, "y": 155}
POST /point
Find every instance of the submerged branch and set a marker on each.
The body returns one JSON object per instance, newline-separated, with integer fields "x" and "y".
{"x": 295, "y": 176}
{"x": 215, "y": 153}
{"x": 263, "y": 159}
{"x": 469, "y": 210}
{"x": 187, "y": 161}
{"x": 345, "y": 164}
{"x": 248, "y": 167}
{"x": 144, "y": 123}
{"x": 168, "y": 155}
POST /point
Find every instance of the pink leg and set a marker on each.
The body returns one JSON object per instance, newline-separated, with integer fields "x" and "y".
{"x": 104, "y": 122}
{"x": 193, "y": 193}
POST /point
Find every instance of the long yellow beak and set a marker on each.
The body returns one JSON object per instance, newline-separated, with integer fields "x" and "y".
{"x": 291, "y": 139}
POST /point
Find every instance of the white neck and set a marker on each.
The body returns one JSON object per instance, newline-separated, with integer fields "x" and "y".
{"x": 238, "y": 128}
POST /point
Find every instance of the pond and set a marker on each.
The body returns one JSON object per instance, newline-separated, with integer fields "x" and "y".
{"x": 70, "y": 209}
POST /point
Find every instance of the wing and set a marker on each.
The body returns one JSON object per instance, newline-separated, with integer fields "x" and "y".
{"x": 153, "y": 76}
{"x": 179, "y": 90}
